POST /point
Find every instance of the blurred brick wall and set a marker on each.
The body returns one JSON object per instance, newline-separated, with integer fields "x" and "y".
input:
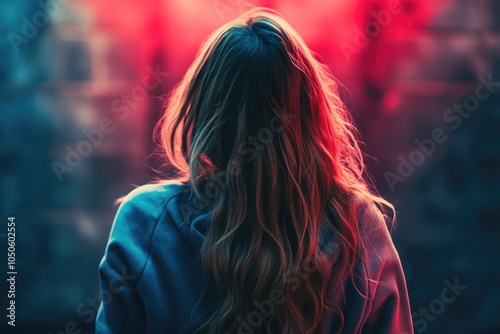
{"x": 60, "y": 77}
{"x": 449, "y": 203}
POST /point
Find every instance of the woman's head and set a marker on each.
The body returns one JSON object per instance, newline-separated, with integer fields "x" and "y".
{"x": 255, "y": 78}
{"x": 257, "y": 128}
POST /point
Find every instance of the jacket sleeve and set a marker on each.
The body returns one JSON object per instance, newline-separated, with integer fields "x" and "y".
{"x": 121, "y": 309}
{"x": 389, "y": 310}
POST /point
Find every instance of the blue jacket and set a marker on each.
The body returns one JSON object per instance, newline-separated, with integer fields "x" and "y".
{"x": 151, "y": 277}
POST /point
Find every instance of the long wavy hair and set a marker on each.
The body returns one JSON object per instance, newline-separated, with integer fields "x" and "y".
{"x": 257, "y": 129}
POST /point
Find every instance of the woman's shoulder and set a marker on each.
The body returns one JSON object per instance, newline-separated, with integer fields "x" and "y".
{"x": 373, "y": 221}
{"x": 380, "y": 259}
{"x": 151, "y": 194}
{"x": 141, "y": 209}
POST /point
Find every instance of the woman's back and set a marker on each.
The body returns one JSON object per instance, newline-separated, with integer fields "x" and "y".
{"x": 151, "y": 274}
{"x": 270, "y": 226}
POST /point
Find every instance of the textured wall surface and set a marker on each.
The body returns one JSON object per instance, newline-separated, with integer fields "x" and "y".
{"x": 436, "y": 135}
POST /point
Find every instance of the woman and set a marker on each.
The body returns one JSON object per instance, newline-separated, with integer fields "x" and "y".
{"x": 270, "y": 226}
